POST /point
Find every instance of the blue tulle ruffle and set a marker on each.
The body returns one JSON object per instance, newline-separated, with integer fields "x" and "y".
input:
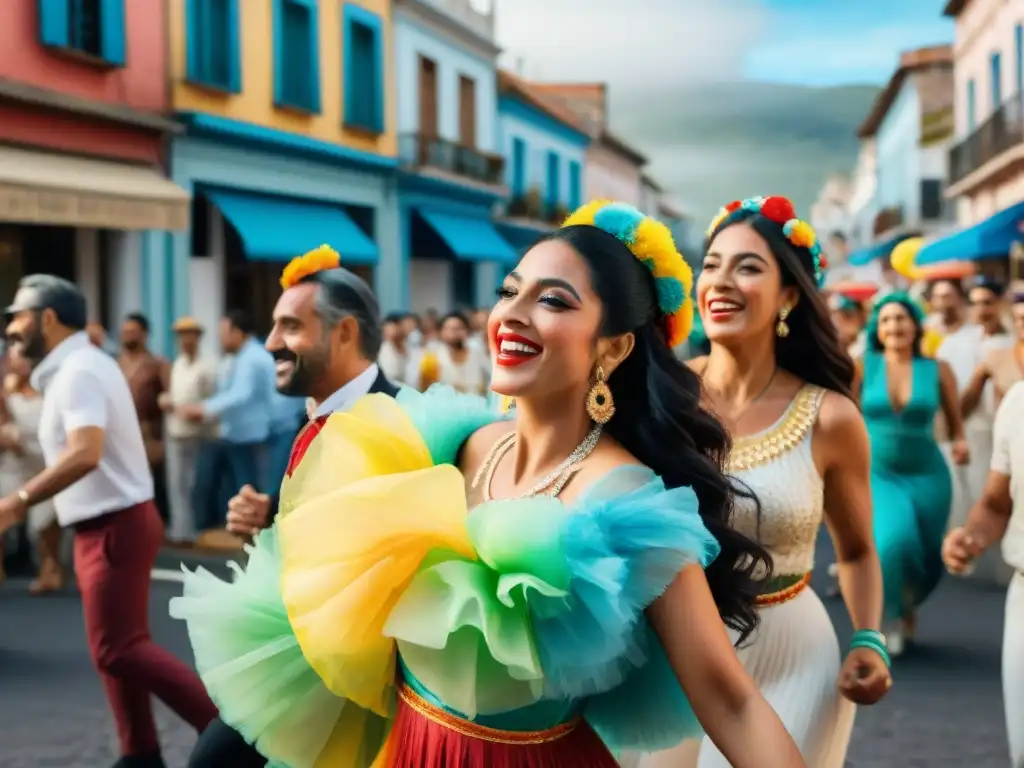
{"x": 622, "y": 550}
{"x": 445, "y": 418}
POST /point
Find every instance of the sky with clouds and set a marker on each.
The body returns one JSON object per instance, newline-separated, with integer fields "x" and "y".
{"x": 811, "y": 42}
{"x": 666, "y": 62}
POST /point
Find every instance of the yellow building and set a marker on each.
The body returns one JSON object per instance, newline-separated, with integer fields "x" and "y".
{"x": 290, "y": 143}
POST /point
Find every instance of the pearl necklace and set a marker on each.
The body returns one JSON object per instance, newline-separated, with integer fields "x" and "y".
{"x": 553, "y": 483}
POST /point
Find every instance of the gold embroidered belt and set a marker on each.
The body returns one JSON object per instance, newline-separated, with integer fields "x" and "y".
{"x": 472, "y": 730}
{"x": 782, "y": 589}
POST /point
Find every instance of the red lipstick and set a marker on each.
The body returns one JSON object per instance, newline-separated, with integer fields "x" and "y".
{"x": 513, "y": 350}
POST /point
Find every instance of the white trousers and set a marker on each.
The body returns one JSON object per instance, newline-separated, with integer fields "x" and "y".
{"x": 180, "y": 465}
{"x": 1013, "y": 669}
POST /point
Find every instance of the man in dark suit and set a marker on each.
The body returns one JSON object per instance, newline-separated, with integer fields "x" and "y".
{"x": 325, "y": 340}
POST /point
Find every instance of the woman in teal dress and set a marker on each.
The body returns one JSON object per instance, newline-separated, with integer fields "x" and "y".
{"x": 911, "y": 487}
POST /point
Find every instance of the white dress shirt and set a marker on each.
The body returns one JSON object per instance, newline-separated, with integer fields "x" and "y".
{"x": 344, "y": 398}
{"x": 393, "y": 362}
{"x": 193, "y": 380}
{"x": 82, "y": 387}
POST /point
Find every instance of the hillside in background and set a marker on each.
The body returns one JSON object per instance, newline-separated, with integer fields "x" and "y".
{"x": 712, "y": 144}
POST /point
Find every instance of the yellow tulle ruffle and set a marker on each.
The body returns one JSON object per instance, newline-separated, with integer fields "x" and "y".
{"x": 360, "y": 514}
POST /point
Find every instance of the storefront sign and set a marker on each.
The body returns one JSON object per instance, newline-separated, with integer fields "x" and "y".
{"x": 28, "y": 205}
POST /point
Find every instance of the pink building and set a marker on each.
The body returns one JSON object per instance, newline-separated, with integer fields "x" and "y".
{"x": 986, "y": 169}
{"x": 83, "y": 188}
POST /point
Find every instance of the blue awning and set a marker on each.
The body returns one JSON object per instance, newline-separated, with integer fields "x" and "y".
{"x": 470, "y": 238}
{"x": 877, "y": 251}
{"x": 280, "y": 228}
{"x": 989, "y": 239}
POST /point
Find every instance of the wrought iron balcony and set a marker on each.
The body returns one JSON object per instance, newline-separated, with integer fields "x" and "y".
{"x": 1002, "y": 131}
{"x": 532, "y": 205}
{"x": 417, "y": 150}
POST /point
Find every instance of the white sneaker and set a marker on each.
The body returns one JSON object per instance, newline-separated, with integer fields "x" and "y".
{"x": 833, "y": 590}
{"x": 894, "y": 640}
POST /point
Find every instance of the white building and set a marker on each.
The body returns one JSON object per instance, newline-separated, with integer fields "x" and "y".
{"x": 830, "y": 217}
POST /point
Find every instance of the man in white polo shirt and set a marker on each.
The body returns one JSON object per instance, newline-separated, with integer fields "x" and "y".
{"x": 99, "y": 478}
{"x": 999, "y": 514}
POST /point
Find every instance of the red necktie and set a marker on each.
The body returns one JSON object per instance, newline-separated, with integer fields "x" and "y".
{"x": 303, "y": 441}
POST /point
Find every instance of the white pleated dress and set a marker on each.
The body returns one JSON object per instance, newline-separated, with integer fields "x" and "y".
{"x": 794, "y": 654}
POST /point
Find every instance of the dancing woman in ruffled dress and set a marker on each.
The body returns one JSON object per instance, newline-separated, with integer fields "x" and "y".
{"x": 569, "y": 605}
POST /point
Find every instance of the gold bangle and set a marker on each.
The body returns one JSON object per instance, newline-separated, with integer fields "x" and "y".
{"x": 23, "y": 497}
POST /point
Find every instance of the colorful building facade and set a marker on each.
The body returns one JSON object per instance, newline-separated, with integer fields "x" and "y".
{"x": 83, "y": 136}
{"x": 987, "y": 163}
{"x": 911, "y": 122}
{"x": 614, "y": 168}
{"x": 290, "y": 142}
{"x": 451, "y": 172}
{"x": 545, "y": 148}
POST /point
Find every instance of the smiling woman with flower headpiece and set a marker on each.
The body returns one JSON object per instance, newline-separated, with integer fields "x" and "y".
{"x": 779, "y": 376}
{"x": 567, "y": 605}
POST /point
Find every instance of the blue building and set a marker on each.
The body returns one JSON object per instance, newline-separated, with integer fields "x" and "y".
{"x": 290, "y": 143}
{"x": 545, "y": 149}
{"x": 451, "y": 171}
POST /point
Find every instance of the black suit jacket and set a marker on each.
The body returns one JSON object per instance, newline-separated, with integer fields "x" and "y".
{"x": 381, "y": 385}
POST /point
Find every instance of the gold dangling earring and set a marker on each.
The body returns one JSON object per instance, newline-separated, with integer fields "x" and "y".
{"x": 600, "y": 405}
{"x": 507, "y": 403}
{"x": 782, "y": 327}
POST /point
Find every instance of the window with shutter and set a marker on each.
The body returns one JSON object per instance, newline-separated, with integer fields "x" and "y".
{"x": 364, "y": 69}
{"x": 931, "y": 199}
{"x": 296, "y": 55}
{"x": 85, "y": 33}
{"x": 212, "y": 42}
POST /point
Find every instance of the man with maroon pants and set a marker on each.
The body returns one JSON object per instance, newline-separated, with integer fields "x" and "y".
{"x": 98, "y": 475}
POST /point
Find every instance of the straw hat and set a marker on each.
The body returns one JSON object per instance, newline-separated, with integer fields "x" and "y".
{"x": 187, "y": 325}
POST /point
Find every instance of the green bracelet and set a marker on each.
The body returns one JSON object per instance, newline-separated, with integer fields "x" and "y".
{"x": 873, "y": 639}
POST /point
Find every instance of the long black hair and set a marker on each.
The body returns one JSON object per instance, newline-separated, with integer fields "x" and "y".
{"x": 812, "y": 351}
{"x": 660, "y": 419}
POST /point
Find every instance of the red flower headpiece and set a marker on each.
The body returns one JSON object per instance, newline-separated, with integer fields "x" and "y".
{"x": 779, "y": 210}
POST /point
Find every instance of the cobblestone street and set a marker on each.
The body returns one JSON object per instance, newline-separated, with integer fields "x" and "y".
{"x": 945, "y": 710}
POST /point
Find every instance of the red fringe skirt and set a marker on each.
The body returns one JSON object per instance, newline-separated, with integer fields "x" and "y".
{"x": 426, "y": 736}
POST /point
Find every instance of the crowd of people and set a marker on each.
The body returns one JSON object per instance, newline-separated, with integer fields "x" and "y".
{"x": 213, "y": 426}
{"x": 609, "y": 566}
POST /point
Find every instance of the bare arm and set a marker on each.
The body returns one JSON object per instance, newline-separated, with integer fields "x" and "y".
{"x": 988, "y": 518}
{"x": 82, "y": 455}
{"x": 857, "y": 385}
{"x": 950, "y": 401}
{"x": 83, "y": 410}
{"x": 165, "y": 375}
{"x": 843, "y": 451}
{"x": 972, "y": 394}
{"x": 728, "y": 704}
